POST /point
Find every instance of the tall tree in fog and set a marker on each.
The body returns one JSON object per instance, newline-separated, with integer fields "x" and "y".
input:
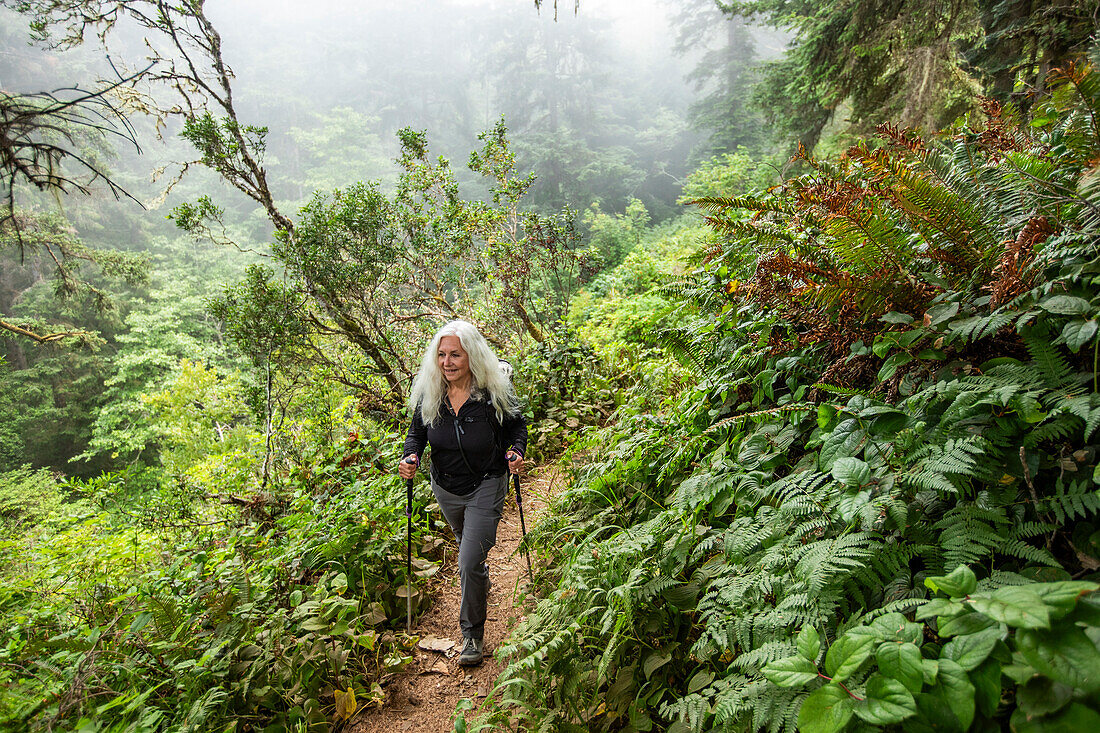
{"x": 551, "y": 82}
{"x": 723, "y": 77}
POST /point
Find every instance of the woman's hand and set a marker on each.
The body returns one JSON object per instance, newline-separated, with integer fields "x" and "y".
{"x": 407, "y": 468}
{"x": 515, "y": 462}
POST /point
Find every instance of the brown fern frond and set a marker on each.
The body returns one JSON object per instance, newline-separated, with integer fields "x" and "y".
{"x": 900, "y": 137}
{"x": 1000, "y": 134}
{"x": 1011, "y": 276}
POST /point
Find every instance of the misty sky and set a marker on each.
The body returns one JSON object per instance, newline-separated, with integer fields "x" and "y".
{"x": 640, "y": 21}
{"x": 334, "y": 79}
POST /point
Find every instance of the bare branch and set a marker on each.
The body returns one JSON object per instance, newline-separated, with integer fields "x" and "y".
{"x": 38, "y": 140}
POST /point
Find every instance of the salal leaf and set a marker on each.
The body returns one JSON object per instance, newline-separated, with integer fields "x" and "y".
{"x": 1041, "y": 696}
{"x": 1073, "y": 719}
{"x": 791, "y": 671}
{"x": 887, "y": 702}
{"x": 1067, "y": 654}
{"x": 987, "y": 687}
{"x": 808, "y": 643}
{"x": 846, "y": 439}
{"x": 1066, "y": 305}
{"x": 959, "y": 582}
{"x": 897, "y": 627}
{"x": 1017, "y": 606}
{"x": 949, "y": 704}
{"x": 939, "y": 607}
{"x": 970, "y": 650}
{"x": 958, "y": 690}
{"x": 1076, "y": 334}
{"x": 851, "y": 471}
{"x": 847, "y": 654}
{"x": 827, "y": 710}
{"x": 902, "y": 662}
{"x": 891, "y": 365}
{"x": 967, "y": 623}
{"x": 1063, "y": 596}
{"x": 937, "y": 314}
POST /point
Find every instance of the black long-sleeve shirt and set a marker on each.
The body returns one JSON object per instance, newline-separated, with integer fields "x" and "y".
{"x": 484, "y": 443}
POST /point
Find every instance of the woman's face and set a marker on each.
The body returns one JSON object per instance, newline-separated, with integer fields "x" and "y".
{"x": 453, "y": 360}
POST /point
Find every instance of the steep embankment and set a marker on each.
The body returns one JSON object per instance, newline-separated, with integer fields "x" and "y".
{"x": 878, "y": 503}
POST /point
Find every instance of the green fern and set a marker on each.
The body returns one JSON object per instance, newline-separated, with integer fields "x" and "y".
{"x": 1071, "y": 500}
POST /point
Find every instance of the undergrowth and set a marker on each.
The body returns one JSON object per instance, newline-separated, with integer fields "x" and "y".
{"x": 141, "y": 608}
{"x": 897, "y": 395}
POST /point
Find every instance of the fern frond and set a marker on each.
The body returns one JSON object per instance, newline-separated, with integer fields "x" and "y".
{"x": 979, "y": 327}
{"x": 1077, "y": 500}
{"x": 1049, "y": 359}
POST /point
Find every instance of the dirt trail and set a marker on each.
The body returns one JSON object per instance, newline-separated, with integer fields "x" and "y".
{"x": 423, "y": 699}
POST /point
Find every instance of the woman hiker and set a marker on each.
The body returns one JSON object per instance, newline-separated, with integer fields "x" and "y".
{"x": 464, "y": 407}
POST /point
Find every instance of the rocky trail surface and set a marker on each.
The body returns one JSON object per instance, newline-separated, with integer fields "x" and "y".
{"x": 423, "y": 698}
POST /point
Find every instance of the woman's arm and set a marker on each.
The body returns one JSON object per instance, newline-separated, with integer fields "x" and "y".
{"x": 417, "y": 438}
{"x": 515, "y": 433}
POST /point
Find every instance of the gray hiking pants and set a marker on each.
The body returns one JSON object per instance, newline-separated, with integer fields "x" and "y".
{"x": 473, "y": 519}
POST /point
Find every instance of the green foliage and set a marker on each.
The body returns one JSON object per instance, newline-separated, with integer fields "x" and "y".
{"x": 614, "y": 236}
{"x": 203, "y": 427}
{"x": 564, "y": 387}
{"x": 26, "y": 498}
{"x": 923, "y": 65}
{"x": 621, "y": 307}
{"x": 731, "y": 174}
{"x": 227, "y": 146}
{"x": 276, "y": 613}
{"x": 881, "y": 405}
{"x": 1034, "y": 642}
{"x": 167, "y": 325}
{"x": 381, "y": 271}
{"x": 48, "y": 405}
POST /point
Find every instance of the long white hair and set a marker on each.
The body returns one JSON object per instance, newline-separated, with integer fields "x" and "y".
{"x": 490, "y": 382}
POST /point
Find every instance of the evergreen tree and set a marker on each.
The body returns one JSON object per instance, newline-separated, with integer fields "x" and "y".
{"x": 907, "y": 61}
{"x": 551, "y": 82}
{"x": 1024, "y": 39}
{"x": 723, "y": 76}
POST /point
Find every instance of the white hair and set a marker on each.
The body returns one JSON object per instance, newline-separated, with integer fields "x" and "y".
{"x": 489, "y": 380}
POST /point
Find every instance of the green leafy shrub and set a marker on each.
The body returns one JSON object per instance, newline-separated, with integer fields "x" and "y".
{"x": 26, "y": 498}
{"x": 1035, "y": 643}
{"x": 564, "y": 387}
{"x": 281, "y": 614}
{"x": 614, "y": 236}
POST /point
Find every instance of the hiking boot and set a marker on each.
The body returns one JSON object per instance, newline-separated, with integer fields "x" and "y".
{"x": 473, "y": 651}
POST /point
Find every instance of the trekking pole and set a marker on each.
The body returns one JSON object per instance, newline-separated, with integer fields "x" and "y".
{"x": 523, "y": 527}
{"x": 409, "y": 549}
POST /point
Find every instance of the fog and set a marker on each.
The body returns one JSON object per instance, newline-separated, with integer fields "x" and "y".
{"x": 597, "y": 101}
